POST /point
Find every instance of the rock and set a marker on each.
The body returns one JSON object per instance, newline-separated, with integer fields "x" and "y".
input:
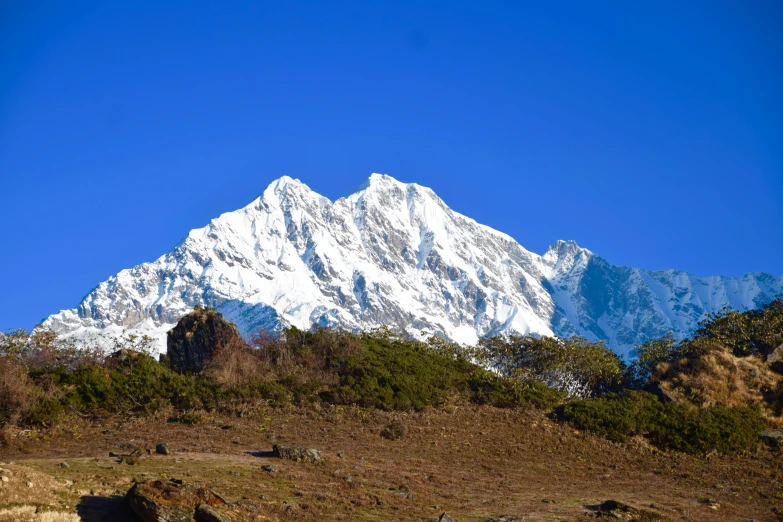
{"x": 64, "y": 465}
{"x": 445, "y": 517}
{"x": 402, "y": 491}
{"x": 197, "y": 337}
{"x": 269, "y": 468}
{"x": 623, "y": 511}
{"x": 132, "y": 458}
{"x": 656, "y": 389}
{"x": 772, "y": 437}
{"x": 162, "y": 449}
{"x": 291, "y": 453}
{"x": 775, "y": 359}
{"x": 207, "y": 513}
{"x": 4, "y": 478}
{"x": 159, "y": 501}
{"x": 29, "y": 484}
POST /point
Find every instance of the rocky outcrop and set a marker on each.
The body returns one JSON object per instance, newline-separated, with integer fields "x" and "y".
{"x": 197, "y": 337}
{"x": 173, "y": 501}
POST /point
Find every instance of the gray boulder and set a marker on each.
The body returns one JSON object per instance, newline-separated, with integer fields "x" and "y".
{"x": 772, "y": 437}
{"x": 292, "y": 453}
{"x": 775, "y": 359}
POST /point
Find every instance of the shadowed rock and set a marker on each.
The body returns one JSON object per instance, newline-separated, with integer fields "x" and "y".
{"x": 197, "y": 337}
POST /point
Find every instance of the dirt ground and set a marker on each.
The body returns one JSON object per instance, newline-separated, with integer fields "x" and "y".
{"x": 469, "y": 461}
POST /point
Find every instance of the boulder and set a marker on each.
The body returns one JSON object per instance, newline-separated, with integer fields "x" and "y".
{"x": 775, "y": 359}
{"x": 173, "y": 501}
{"x": 658, "y": 390}
{"x": 206, "y": 513}
{"x": 772, "y": 437}
{"x": 291, "y": 453}
{"x": 197, "y": 336}
{"x": 146, "y": 500}
{"x": 624, "y": 511}
{"x": 445, "y": 517}
{"x": 162, "y": 449}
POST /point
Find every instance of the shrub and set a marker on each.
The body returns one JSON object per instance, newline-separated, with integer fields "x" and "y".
{"x": 682, "y": 427}
{"x": 502, "y": 392}
{"x": 136, "y": 384}
{"x": 235, "y": 365}
{"x": 17, "y": 392}
{"x": 295, "y": 367}
{"x": 751, "y": 332}
{"x": 393, "y": 431}
{"x": 576, "y": 366}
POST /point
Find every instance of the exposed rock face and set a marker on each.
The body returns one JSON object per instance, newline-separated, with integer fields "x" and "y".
{"x": 196, "y": 337}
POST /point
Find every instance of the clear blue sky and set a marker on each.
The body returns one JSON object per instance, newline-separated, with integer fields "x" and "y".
{"x": 649, "y": 132}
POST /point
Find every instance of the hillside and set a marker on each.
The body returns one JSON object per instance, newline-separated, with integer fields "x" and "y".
{"x": 555, "y": 429}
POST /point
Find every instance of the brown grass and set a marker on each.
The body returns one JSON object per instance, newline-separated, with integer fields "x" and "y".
{"x": 473, "y": 462}
{"x": 17, "y": 391}
{"x": 715, "y": 377}
{"x": 268, "y": 357}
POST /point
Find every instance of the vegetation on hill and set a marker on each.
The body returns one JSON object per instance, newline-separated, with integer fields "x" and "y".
{"x": 715, "y": 392}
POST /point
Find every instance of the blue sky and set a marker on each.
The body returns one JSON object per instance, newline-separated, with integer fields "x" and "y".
{"x": 650, "y": 133}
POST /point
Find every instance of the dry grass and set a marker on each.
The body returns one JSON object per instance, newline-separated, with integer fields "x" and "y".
{"x": 234, "y": 364}
{"x": 474, "y": 462}
{"x": 17, "y": 392}
{"x": 715, "y": 377}
{"x": 33, "y": 514}
{"x": 302, "y": 355}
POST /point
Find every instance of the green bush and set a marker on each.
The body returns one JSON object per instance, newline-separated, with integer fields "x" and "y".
{"x": 397, "y": 375}
{"x": 752, "y": 332}
{"x": 503, "y": 392}
{"x": 681, "y": 427}
{"x": 575, "y": 365}
{"x": 139, "y": 384}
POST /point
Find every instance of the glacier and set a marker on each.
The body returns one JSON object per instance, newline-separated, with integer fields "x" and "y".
{"x": 395, "y": 254}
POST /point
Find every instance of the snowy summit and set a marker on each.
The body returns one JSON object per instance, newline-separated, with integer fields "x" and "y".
{"x": 395, "y": 254}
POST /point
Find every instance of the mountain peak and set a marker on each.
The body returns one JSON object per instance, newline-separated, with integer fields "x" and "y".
{"x": 393, "y": 253}
{"x": 376, "y": 181}
{"x": 562, "y": 247}
{"x": 282, "y": 183}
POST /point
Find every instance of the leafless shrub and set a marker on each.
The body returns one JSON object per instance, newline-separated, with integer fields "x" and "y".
{"x": 17, "y": 391}
{"x": 236, "y": 364}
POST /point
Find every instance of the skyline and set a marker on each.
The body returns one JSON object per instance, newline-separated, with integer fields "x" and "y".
{"x": 650, "y": 135}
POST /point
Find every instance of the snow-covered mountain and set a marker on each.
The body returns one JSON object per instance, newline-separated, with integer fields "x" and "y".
{"x": 393, "y": 253}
